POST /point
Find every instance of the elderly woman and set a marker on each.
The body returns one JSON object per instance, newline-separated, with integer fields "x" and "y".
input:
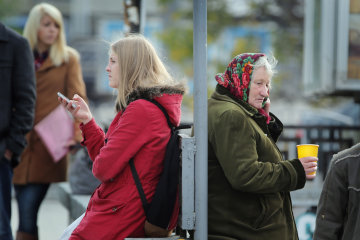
{"x": 249, "y": 181}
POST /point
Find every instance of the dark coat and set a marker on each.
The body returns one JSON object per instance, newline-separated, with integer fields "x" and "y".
{"x": 37, "y": 165}
{"x": 17, "y": 92}
{"x": 338, "y": 214}
{"x": 249, "y": 181}
{"x": 115, "y": 210}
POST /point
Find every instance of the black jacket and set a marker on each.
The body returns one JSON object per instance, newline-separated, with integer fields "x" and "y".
{"x": 17, "y": 91}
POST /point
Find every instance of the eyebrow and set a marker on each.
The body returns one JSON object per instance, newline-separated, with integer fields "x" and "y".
{"x": 262, "y": 80}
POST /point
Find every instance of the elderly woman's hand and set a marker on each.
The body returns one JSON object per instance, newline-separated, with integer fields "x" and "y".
{"x": 310, "y": 166}
{"x": 267, "y": 106}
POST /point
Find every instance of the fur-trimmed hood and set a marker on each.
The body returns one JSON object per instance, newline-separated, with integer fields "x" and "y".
{"x": 169, "y": 96}
{"x": 155, "y": 92}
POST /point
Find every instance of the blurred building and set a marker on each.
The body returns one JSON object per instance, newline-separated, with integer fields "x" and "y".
{"x": 332, "y": 48}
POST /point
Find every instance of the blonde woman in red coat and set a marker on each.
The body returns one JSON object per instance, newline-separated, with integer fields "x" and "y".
{"x": 141, "y": 132}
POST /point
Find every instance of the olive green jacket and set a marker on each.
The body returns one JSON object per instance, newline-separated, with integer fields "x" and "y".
{"x": 249, "y": 181}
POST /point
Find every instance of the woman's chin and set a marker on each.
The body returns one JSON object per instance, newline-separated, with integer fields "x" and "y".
{"x": 112, "y": 85}
{"x": 257, "y": 106}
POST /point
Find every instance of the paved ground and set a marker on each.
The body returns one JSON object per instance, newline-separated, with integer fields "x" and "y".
{"x": 52, "y": 219}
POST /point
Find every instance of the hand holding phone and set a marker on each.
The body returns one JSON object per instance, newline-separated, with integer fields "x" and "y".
{"x": 66, "y": 99}
{"x": 80, "y": 111}
{"x": 266, "y": 105}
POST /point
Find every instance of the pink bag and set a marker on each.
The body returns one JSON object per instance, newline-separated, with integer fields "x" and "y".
{"x": 55, "y": 131}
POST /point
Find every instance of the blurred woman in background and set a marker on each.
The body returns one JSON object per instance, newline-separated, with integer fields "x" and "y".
{"x": 57, "y": 69}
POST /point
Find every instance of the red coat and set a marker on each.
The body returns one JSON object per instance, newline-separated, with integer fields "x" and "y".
{"x": 115, "y": 210}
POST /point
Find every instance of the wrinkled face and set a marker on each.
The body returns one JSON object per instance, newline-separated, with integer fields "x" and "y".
{"x": 113, "y": 70}
{"x": 48, "y": 31}
{"x": 259, "y": 88}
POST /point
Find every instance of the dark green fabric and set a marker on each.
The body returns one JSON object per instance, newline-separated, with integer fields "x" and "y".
{"x": 249, "y": 181}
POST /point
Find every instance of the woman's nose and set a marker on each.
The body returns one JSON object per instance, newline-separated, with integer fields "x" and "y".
{"x": 265, "y": 91}
{"x": 53, "y": 27}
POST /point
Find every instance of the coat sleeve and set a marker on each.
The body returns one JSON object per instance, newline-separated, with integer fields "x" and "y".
{"x": 238, "y": 156}
{"x": 23, "y": 91}
{"x": 75, "y": 84}
{"x": 332, "y": 205}
{"x": 122, "y": 144}
{"x": 93, "y": 138}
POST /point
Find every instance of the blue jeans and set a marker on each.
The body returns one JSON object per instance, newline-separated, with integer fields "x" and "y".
{"x": 6, "y": 174}
{"x": 29, "y": 198}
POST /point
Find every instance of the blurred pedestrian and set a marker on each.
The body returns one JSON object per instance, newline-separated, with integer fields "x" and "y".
{"x": 57, "y": 69}
{"x": 17, "y": 100}
{"x": 139, "y": 131}
{"x": 338, "y": 212}
{"x": 249, "y": 181}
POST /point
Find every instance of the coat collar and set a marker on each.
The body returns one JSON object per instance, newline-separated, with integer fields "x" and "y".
{"x": 3, "y": 33}
{"x": 46, "y": 65}
{"x": 223, "y": 94}
{"x": 154, "y": 92}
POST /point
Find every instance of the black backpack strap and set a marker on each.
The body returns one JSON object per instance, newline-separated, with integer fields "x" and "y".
{"x": 132, "y": 166}
{"x": 182, "y": 126}
{"x": 163, "y": 110}
{"x": 138, "y": 185}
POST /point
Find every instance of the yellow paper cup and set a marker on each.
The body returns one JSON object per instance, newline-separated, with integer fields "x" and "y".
{"x": 308, "y": 150}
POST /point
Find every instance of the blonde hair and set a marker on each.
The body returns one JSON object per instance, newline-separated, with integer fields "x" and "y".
{"x": 59, "y": 51}
{"x": 139, "y": 67}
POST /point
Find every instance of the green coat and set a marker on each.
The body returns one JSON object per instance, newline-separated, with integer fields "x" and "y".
{"x": 249, "y": 181}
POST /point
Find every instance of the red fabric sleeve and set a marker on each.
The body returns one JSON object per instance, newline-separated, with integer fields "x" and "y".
{"x": 93, "y": 138}
{"x": 130, "y": 133}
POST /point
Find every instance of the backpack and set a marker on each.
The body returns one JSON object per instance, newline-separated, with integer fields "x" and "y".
{"x": 159, "y": 211}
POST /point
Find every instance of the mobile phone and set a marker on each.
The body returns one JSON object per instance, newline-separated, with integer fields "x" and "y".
{"x": 65, "y": 98}
{"x": 264, "y": 102}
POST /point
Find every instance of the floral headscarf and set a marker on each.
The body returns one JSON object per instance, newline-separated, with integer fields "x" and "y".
{"x": 237, "y": 76}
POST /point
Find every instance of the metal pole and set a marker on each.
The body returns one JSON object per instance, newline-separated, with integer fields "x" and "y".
{"x": 142, "y": 16}
{"x": 200, "y": 119}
